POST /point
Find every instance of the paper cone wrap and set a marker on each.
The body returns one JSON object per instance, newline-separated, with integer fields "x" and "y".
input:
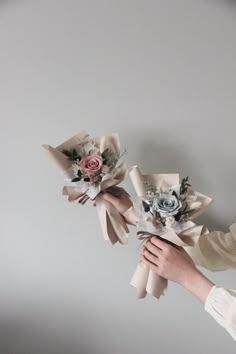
{"x": 113, "y": 224}
{"x": 144, "y": 279}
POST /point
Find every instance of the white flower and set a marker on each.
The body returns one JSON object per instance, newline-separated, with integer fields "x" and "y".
{"x": 170, "y": 221}
{"x": 105, "y": 169}
{"x": 88, "y": 148}
{"x": 75, "y": 168}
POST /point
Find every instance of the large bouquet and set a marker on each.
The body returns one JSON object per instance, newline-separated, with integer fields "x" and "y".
{"x": 165, "y": 208}
{"x": 93, "y": 165}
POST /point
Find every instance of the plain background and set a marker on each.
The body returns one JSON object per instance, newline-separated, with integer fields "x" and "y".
{"x": 163, "y": 75}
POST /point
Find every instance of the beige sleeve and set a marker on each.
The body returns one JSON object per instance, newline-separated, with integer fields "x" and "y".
{"x": 221, "y": 305}
{"x": 215, "y": 251}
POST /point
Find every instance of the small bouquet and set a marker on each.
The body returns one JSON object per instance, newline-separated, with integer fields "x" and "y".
{"x": 92, "y": 166}
{"x": 165, "y": 208}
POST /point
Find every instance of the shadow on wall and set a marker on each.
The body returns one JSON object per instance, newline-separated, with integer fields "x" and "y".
{"x": 228, "y": 5}
{"x": 231, "y": 2}
{"x": 5, "y": 2}
{"x": 9, "y": 3}
{"x": 17, "y": 337}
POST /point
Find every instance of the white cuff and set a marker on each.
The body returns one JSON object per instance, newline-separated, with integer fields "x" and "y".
{"x": 221, "y": 305}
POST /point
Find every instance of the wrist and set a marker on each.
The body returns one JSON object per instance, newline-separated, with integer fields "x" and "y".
{"x": 197, "y": 284}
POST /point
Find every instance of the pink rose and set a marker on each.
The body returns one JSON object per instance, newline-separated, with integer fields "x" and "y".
{"x": 91, "y": 165}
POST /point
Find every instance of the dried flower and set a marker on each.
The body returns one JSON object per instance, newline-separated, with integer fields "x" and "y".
{"x": 91, "y": 165}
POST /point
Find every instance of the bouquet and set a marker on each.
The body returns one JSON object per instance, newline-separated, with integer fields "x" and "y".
{"x": 92, "y": 166}
{"x": 165, "y": 208}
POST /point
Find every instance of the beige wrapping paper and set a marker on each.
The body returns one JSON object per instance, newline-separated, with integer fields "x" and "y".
{"x": 144, "y": 279}
{"x": 112, "y": 223}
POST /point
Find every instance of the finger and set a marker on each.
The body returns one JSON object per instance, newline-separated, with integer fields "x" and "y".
{"x": 121, "y": 204}
{"x": 150, "y": 257}
{"x": 181, "y": 249}
{"x": 83, "y": 199}
{"x": 110, "y": 198}
{"x": 158, "y": 243}
{"x": 118, "y": 191}
{"x": 152, "y": 266}
{"x": 156, "y": 251}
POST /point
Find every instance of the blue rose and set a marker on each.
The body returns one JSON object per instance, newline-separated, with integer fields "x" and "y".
{"x": 166, "y": 204}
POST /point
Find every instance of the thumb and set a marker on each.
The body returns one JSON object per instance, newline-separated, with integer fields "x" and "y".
{"x": 108, "y": 197}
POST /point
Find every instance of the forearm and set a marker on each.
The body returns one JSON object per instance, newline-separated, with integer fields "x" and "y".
{"x": 197, "y": 284}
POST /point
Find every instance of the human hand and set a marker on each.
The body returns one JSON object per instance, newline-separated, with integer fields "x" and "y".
{"x": 175, "y": 264}
{"x": 171, "y": 262}
{"x": 121, "y": 200}
{"x": 118, "y": 197}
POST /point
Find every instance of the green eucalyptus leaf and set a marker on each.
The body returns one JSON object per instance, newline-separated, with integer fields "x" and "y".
{"x": 67, "y": 153}
{"x": 105, "y": 153}
{"x": 76, "y": 179}
{"x": 175, "y": 194}
{"x": 146, "y": 206}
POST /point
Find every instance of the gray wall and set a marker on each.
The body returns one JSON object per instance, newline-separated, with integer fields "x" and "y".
{"x": 162, "y": 74}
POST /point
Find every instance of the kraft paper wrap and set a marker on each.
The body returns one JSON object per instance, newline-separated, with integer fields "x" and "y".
{"x": 113, "y": 224}
{"x": 144, "y": 279}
